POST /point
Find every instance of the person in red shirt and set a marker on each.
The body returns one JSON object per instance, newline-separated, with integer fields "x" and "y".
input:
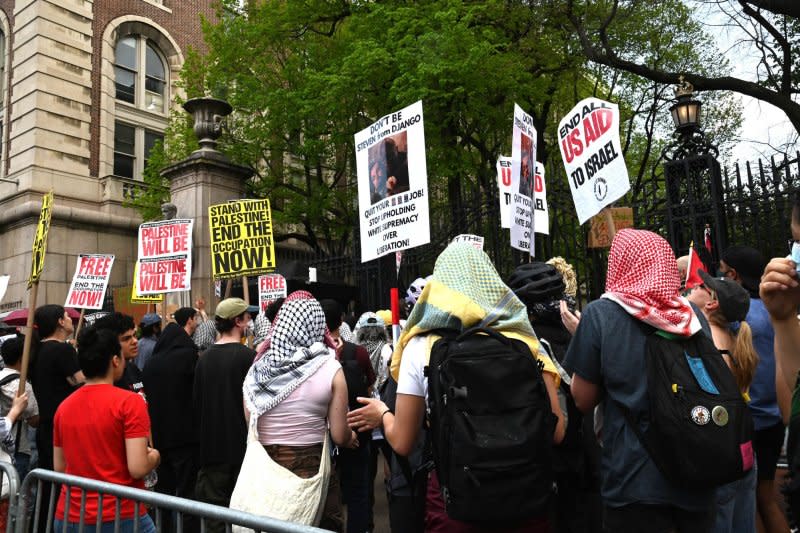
{"x": 101, "y": 432}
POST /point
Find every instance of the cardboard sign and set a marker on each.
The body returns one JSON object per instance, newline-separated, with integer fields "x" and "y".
{"x": 592, "y": 154}
{"x": 474, "y": 240}
{"x": 523, "y": 169}
{"x": 40, "y": 239}
{"x": 270, "y": 288}
{"x": 90, "y": 281}
{"x": 165, "y": 257}
{"x": 599, "y": 236}
{"x": 241, "y": 238}
{"x": 392, "y": 184}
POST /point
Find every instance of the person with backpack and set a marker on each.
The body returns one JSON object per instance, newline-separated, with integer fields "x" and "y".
{"x": 352, "y": 464}
{"x": 9, "y": 384}
{"x": 577, "y": 507}
{"x": 674, "y": 423}
{"x": 492, "y": 397}
{"x": 725, "y": 303}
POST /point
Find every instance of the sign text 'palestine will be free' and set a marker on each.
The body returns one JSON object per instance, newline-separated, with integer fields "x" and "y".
{"x": 241, "y": 238}
{"x": 165, "y": 256}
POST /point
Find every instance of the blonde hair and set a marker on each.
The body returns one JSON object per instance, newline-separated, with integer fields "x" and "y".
{"x": 744, "y": 357}
{"x": 567, "y": 273}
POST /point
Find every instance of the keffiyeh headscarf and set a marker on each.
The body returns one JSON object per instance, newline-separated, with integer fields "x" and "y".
{"x": 464, "y": 291}
{"x": 371, "y": 334}
{"x": 643, "y": 278}
{"x": 296, "y": 295}
{"x": 297, "y": 350}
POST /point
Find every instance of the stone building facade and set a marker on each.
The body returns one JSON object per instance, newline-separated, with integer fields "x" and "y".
{"x": 85, "y": 90}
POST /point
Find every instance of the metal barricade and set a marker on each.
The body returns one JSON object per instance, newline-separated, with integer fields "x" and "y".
{"x": 8, "y": 472}
{"x": 162, "y": 503}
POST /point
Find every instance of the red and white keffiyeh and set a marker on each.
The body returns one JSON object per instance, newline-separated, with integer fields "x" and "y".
{"x": 643, "y": 278}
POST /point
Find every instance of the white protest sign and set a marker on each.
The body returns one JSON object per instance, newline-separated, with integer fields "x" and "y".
{"x": 523, "y": 166}
{"x": 592, "y": 154}
{"x": 165, "y": 256}
{"x": 3, "y": 286}
{"x": 474, "y": 240}
{"x": 392, "y": 184}
{"x": 270, "y": 287}
{"x": 504, "y": 190}
{"x": 88, "y": 288}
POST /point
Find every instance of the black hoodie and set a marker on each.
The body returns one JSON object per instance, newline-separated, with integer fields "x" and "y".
{"x": 169, "y": 378}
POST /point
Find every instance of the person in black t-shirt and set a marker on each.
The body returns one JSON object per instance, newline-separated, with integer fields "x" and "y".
{"x": 125, "y": 328}
{"x": 54, "y": 374}
{"x": 219, "y": 407}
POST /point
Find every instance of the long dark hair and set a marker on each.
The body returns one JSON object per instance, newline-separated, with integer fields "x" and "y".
{"x": 96, "y": 348}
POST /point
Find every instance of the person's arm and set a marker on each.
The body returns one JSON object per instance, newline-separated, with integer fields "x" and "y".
{"x": 341, "y": 433}
{"x": 18, "y": 405}
{"x": 76, "y": 379}
{"x": 568, "y": 318}
{"x": 555, "y": 406}
{"x": 780, "y": 293}
{"x": 59, "y": 463}
{"x": 140, "y": 457}
{"x": 400, "y": 428}
{"x": 585, "y": 393}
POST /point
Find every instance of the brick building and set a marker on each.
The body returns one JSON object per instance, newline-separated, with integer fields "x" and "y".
{"x": 85, "y": 90}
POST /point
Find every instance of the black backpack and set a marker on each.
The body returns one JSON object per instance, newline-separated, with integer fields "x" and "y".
{"x": 491, "y": 427}
{"x": 353, "y": 374}
{"x": 699, "y": 430}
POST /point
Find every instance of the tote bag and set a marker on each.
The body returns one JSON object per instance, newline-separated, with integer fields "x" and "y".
{"x": 266, "y": 488}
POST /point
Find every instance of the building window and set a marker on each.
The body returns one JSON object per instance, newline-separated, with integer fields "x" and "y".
{"x": 132, "y": 146}
{"x": 140, "y": 74}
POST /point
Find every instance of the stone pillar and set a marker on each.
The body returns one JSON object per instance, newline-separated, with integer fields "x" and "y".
{"x": 205, "y": 178}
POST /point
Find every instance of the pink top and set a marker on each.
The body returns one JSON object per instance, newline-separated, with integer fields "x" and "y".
{"x": 301, "y": 419}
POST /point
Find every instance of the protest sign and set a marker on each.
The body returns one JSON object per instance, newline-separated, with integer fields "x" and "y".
{"x": 40, "y": 239}
{"x": 523, "y": 167}
{"x": 270, "y": 287}
{"x": 504, "y": 188}
{"x": 89, "y": 283}
{"x": 241, "y": 238}
{"x": 392, "y": 184}
{"x": 600, "y": 233}
{"x": 592, "y": 154}
{"x": 474, "y": 240}
{"x": 165, "y": 257}
{"x": 3, "y": 286}
{"x": 136, "y": 298}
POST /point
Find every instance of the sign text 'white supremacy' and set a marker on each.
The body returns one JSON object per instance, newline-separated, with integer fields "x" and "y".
{"x": 592, "y": 154}
{"x": 392, "y": 183}
{"x": 88, "y": 288}
{"x": 523, "y": 168}
{"x": 165, "y": 256}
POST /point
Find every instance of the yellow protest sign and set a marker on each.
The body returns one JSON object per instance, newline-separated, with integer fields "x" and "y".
{"x": 241, "y": 238}
{"x": 136, "y": 298}
{"x": 40, "y": 239}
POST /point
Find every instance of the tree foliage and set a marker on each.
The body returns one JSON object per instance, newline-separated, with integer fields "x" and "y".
{"x": 303, "y": 77}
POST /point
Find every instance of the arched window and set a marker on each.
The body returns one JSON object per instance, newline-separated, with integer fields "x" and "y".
{"x": 140, "y": 75}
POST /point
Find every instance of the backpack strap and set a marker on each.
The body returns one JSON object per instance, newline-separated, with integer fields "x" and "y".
{"x": 8, "y": 379}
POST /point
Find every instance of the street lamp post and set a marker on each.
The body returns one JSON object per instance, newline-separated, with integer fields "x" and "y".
{"x": 695, "y": 207}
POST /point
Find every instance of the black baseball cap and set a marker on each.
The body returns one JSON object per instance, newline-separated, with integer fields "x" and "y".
{"x": 749, "y": 264}
{"x": 734, "y": 300}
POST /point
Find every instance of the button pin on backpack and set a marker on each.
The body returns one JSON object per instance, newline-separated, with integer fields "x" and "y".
{"x": 700, "y": 415}
{"x": 719, "y": 415}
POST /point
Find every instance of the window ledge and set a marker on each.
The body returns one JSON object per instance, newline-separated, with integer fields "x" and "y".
{"x": 158, "y": 5}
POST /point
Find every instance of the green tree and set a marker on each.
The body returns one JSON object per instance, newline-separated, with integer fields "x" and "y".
{"x": 303, "y": 77}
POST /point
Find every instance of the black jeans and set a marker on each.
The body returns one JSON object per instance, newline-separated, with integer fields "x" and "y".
{"x": 353, "y": 468}
{"x": 177, "y": 475}
{"x": 643, "y": 518}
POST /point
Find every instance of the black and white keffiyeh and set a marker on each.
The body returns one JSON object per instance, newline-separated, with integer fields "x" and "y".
{"x": 297, "y": 350}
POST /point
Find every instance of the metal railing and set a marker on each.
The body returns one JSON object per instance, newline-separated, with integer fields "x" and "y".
{"x": 7, "y": 471}
{"x": 162, "y": 503}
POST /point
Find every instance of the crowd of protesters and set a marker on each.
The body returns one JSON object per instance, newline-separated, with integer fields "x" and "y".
{"x": 170, "y": 410}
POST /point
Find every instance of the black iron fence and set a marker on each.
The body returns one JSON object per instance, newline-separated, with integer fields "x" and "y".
{"x": 756, "y": 200}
